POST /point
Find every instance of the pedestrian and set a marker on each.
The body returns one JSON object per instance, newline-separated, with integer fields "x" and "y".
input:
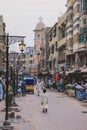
{"x": 42, "y": 84}
{"x": 19, "y": 90}
{"x": 39, "y": 87}
{"x": 44, "y": 101}
{"x": 49, "y": 83}
{"x": 23, "y": 88}
{"x": 61, "y": 83}
{"x": 1, "y": 90}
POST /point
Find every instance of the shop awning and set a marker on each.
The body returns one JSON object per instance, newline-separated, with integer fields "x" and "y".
{"x": 84, "y": 70}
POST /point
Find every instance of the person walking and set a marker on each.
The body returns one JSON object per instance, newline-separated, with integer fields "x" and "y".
{"x": 23, "y": 88}
{"x": 44, "y": 101}
{"x": 1, "y": 90}
{"x": 61, "y": 82}
{"x": 39, "y": 87}
{"x": 42, "y": 84}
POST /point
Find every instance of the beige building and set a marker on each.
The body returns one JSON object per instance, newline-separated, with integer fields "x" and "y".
{"x": 62, "y": 42}
{"x": 29, "y": 67}
{"x": 2, "y": 44}
{"x": 76, "y": 33}
{"x": 82, "y": 49}
{"x": 53, "y": 44}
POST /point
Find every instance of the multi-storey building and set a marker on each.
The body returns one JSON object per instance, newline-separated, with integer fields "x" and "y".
{"x": 2, "y": 44}
{"x": 53, "y": 43}
{"x": 44, "y": 53}
{"x": 29, "y": 61}
{"x": 39, "y": 41}
{"x": 69, "y": 33}
{"x": 76, "y": 22}
{"x": 83, "y": 34}
{"x": 61, "y": 42}
{"x": 76, "y": 33}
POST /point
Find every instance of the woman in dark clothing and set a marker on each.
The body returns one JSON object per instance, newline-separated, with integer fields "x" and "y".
{"x": 23, "y": 88}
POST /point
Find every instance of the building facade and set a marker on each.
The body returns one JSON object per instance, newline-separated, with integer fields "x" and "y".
{"x": 2, "y": 44}
{"x": 29, "y": 67}
{"x": 39, "y": 41}
{"x": 62, "y": 45}
{"x": 53, "y": 53}
{"x": 65, "y": 44}
{"x": 76, "y": 33}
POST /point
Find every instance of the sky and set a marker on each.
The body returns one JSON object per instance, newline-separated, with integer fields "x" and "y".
{"x": 21, "y": 16}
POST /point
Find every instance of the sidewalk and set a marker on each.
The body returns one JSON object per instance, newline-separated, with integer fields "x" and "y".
{"x": 16, "y": 121}
{"x": 2, "y": 112}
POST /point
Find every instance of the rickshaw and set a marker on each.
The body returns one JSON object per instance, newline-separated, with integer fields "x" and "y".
{"x": 30, "y": 85}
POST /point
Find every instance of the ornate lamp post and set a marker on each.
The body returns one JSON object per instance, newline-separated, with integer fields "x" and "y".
{"x": 8, "y": 39}
{"x": 22, "y": 48}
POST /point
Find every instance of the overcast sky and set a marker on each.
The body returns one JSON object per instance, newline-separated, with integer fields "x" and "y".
{"x": 21, "y": 16}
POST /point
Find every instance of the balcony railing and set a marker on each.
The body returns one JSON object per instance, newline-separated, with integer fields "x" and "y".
{"x": 62, "y": 42}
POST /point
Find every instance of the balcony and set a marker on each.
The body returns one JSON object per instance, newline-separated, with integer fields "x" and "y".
{"x": 69, "y": 12}
{"x": 62, "y": 42}
{"x": 62, "y": 20}
{"x": 76, "y": 3}
{"x": 61, "y": 61}
{"x": 69, "y": 23}
{"x": 76, "y": 16}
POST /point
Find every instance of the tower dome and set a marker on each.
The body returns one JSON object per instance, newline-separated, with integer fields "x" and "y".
{"x": 40, "y": 24}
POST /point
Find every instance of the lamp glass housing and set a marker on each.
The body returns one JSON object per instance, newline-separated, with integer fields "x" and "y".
{"x": 22, "y": 46}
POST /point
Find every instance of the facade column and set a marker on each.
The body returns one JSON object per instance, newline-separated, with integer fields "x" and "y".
{"x": 77, "y": 60}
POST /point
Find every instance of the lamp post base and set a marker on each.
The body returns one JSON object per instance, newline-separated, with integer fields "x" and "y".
{"x": 14, "y": 105}
{"x": 7, "y": 123}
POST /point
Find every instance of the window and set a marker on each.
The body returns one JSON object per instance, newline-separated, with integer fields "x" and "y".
{"x": 50, "y": 36}
{"x": 50, "y": 65}
{"x": 84, "y": 5}
{"x": 30, "y": 61}
{"x": 52, "y": 48}
{"x": 54, "y": 32}
{"x": 77, "y": 25}
{"x": 38, "y": 35}
{"x": 56, "y": 45}
{"x": 84, "y": 21}
{"x": 49, "y": 50}
{"x": 78, "y": 8}
{"x": 31, "y": 55}
{"x": 85, "y": 34}
{"x": 81, "y": 38}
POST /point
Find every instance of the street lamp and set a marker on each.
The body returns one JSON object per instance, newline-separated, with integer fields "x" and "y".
{"x": 22, "y": 46}
{"x": 8, "y": 39}
{"x": 14, "y": 86}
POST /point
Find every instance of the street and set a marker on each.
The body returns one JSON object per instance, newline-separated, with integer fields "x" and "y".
{"x": 64, "y": 113}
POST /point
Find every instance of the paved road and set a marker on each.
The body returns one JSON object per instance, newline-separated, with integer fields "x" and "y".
{"x": 64, "y": 113}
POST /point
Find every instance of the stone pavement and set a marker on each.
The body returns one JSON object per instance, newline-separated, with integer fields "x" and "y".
{"x": 2, "y": 113}
{"x": 64, "y": 113}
